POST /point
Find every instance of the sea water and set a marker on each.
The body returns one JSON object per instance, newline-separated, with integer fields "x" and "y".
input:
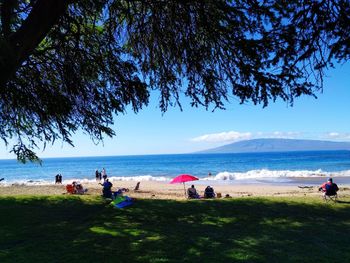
{"x": 282, "y": 167}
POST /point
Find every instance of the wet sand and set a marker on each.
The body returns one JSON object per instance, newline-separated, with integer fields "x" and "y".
{"x": 164, "y": 190}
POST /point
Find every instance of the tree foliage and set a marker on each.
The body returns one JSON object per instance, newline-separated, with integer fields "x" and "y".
{"x": 68, "y": 65}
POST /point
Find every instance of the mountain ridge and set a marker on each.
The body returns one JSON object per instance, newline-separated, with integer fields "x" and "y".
{"x": 279, "y": 145}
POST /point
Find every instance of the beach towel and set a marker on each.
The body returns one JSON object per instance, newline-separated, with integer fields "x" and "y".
{"x": 122, "y": 201}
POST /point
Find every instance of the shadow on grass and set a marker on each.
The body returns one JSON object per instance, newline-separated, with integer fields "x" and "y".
{"x": 236, "y": 230}
{"x": 342, "y": 202}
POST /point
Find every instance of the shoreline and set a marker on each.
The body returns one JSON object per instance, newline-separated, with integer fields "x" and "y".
{"x": 164, "y": 190}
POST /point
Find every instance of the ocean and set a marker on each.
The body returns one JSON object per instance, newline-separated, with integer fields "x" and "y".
{"x": 282, "y": 168}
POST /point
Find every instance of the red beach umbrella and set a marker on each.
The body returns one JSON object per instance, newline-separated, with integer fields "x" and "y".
{"x": 182, "y": 178}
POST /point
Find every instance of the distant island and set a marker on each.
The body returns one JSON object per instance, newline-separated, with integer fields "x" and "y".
{"x": 279, "y": 145}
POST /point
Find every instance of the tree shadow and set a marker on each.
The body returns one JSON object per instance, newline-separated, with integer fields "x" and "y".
{"x": 236, "y": 230}
{"x": 342, "y": 202}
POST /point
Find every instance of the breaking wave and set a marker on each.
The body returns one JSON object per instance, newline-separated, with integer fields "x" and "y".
{"x": 221, "y": 176}
{"x": 264, "y": 173}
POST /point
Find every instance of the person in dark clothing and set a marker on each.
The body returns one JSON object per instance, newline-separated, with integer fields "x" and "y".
{"x": 60, "y": 178}
{"x": 209, "y": 192}
{"x": 329, "y": 188}
{"x": 97, "y": 175}
{"x": 107, "y": 189}
{"x": 192, "y": 193}
{"x": 57, "y": 179}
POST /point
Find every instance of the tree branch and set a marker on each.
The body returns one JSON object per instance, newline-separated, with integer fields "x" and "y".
{"x": 42, "y": 18}
{"x": 6, "y": 12}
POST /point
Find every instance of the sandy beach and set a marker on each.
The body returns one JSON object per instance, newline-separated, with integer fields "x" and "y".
{"x": 164, "y": 190}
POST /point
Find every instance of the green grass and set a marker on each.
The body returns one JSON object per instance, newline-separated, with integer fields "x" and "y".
{"x": 86, "y": 229}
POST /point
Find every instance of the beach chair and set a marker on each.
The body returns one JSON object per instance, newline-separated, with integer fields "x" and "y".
{"x": 330, "y": 194}
{"x": 70, "y": 189}
{"x": 137, "y": 187}
{"x": 192, "y": 194}
{"x": 330, "y": 197}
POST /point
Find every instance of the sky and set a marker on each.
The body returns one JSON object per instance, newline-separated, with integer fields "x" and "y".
{"x": 195, "y": 129}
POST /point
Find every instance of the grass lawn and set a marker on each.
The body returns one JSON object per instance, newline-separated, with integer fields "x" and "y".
{"x": 86, "y": 229}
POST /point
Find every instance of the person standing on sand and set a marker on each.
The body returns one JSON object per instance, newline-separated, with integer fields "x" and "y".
{"x": 104, "y": 174}
{"x": 57, "y": 178}
{"x": 107, "y": 189}
{"x": 97, "y": 175}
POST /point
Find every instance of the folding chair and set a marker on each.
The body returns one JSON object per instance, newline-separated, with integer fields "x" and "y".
{"x": 70, "y": 189}
{"x": 137, "y": 187}
{"x": 330, "y": 196}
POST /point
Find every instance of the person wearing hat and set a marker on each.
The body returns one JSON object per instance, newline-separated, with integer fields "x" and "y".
{"x": 329, "y": 188}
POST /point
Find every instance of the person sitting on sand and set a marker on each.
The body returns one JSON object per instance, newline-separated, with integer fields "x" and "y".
{"x": 74, "y": 183}
{"x": 209, "y": 192}
{"x": 192, "y": 193}
{"x": 79, "y": 189}
{"x": 107, "y": 189}
{"x": 119, "y": 192}
{"x": 329, "y": 188}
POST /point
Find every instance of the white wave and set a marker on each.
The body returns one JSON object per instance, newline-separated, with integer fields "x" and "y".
{"x": 84, "y": 180}
{"x": 264, "y": 173}
{"x": 221, "y": 176}
{"x": 140, "y": 178}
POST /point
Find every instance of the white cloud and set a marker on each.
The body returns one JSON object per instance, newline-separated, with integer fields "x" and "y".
{"x": 338, "y": 135}
{"x": 232, "y": 136}
{"x": 282, "y": 135}
{"x": 223, "y": 137}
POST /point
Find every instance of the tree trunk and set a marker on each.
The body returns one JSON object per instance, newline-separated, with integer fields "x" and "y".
{"x": 20, "y": 44}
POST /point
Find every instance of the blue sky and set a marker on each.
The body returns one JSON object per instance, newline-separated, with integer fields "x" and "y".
{"x": 193, "y": 129}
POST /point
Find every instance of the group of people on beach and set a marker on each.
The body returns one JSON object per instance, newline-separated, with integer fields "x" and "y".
{"x": 106, "y": 185}
{"x": 328, "y": 188}
{"x": 58, "y": 179}
{"x": 107, "y": 190}
{"x": 101, "y": 175}
{"x": 76, "y": 188}
{"x": 208, "y": 192}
